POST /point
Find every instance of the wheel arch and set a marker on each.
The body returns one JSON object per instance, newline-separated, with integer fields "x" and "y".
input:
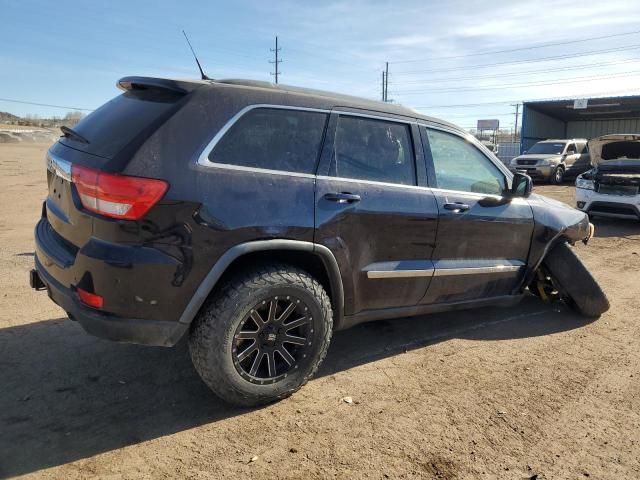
{"x": 313, "y": 258}
{"x": 565, "y": 235}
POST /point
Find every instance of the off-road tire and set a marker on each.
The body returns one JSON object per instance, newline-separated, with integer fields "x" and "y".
{"x": 212, "y": 335}
{"x": 557, "y": 177}
{"x": 576, "y": 284}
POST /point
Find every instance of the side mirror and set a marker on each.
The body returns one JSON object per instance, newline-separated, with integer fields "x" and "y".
{"x": 522, "y": 185}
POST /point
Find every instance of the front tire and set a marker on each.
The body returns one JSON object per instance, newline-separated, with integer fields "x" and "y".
{"x": 558, "y": 175}
{"x": 574, "y": 282}
{"x": 262, "y": 336}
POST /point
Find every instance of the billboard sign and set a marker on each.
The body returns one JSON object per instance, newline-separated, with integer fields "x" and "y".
{"x": 493, "y": 124}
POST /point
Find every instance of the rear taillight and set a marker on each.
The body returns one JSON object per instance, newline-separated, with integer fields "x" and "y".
{"x": 116, "y": 196}
{"x": 91, "y": 299}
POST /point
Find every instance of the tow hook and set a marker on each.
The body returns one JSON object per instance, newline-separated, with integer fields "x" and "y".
{"x": 592, "y": 230}
{"x": 35, "y": 281}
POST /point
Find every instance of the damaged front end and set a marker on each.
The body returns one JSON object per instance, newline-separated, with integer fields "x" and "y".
{"x": 612, "y": 187}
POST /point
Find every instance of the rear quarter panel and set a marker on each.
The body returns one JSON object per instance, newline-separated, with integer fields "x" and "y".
{"x": 220, "y": 207}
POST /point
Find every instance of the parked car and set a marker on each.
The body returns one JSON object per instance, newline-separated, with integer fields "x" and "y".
{"x": 554, "y": 160}
{"x": 610, "y": 189}
{"x": 258, "y": 219}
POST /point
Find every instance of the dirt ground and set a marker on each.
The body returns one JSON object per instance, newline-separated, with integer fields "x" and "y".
{"x": 528, "y": 392}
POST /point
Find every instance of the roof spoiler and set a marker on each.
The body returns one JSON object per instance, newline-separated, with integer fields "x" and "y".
{"x": 128, "y": 84}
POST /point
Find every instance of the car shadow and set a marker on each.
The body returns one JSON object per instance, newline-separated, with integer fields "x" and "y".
{"x": 67, "y": 396}
{"x": 612, "y": 227}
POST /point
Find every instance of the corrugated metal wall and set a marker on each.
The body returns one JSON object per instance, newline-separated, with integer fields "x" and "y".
{"x": 541, "y": 126}
{"x": 538, "y": 126}
{"x": 595, "y": 128}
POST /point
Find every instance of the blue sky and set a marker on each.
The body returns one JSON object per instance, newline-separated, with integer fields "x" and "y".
{"x": 72, "y": 52}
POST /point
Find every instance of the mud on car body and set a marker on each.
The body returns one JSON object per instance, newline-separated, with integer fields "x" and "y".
{"x": 257, "y": 219}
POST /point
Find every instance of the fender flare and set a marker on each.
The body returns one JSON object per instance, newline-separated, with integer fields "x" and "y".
{"x": 211, "y": 279}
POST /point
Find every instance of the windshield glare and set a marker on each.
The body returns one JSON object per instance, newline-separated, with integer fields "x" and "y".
{"x": 547, "y": 148}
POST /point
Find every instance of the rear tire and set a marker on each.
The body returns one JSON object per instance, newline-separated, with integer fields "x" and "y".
{"x": 576, "y": 284}
{"x": 255, "y": 313}
{"x": 558, "y": 175}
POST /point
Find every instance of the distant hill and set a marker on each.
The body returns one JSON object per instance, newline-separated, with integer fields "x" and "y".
{"x": 8, "y": 117}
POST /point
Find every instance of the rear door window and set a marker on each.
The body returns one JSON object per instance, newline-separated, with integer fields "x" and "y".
{"x": 378, "y": 150}
{"x": 273, "y": 139}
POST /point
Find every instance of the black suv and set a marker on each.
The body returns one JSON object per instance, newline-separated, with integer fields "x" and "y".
{"x": 260, "y": 218}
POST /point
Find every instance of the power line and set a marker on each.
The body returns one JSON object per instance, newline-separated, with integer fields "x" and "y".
{"x": 321, "y": 56}
{"x": 518, "y": 85}
{"x": 482, "y": 114}
{"x": 531, "y": 47}
{"x": 524, "y": 72}
{"x": 24, "y": 102}
{"x": 591, "y": 96}
{"x": 276, "y": 62}
{"x": 516, "y": 62}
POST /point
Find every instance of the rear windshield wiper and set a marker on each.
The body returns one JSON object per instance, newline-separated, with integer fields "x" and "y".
{"x": 69, "y": 133}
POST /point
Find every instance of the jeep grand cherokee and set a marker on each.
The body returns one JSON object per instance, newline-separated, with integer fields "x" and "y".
{"x": 258, "y": 219}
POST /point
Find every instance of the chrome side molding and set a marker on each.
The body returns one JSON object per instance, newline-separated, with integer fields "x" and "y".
{"x": 440, "y": 268}
{"x": 441, "y": 272}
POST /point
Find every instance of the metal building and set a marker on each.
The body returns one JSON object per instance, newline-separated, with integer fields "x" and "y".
{"x": 581, "y": 118}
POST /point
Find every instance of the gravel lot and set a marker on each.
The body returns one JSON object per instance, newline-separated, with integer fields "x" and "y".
{"x": 528, "y": 392}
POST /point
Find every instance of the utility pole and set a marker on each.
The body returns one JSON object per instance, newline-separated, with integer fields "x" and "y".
{"x": 515, "y": 130}
{"x": 386, "y": 82}
{"x": 383, "y": 79}
{"x": 276, "y": 62}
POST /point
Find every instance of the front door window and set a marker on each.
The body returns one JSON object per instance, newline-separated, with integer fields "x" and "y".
{"x": 459, "y": 165}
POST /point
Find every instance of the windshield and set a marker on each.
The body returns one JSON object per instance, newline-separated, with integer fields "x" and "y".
{"x": 547, "y": 148}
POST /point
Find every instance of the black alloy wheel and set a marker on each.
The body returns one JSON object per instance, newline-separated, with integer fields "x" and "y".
{"x": 262, "y": 334}
{"x": 273, "y": 339}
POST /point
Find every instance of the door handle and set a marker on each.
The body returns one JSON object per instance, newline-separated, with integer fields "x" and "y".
{"x": 456, "y": 207}
{"x": 342, "y": 197}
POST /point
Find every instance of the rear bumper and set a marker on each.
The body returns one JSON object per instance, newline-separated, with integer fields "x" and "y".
{"x": 122, "y": 274}
{"x": 103, "y": 325}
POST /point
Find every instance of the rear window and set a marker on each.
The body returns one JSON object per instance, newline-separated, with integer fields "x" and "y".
{"x": 128, "y": 118}
{"x": 273, "y": 139}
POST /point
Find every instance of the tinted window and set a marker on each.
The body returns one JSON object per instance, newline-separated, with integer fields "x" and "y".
{"x": 123, "y": 120}
{"x": 272, "y": 138}
{"x": 571, "y": 148}
{"x": 461, "y": 166}
{"x": 367, "y": 149}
